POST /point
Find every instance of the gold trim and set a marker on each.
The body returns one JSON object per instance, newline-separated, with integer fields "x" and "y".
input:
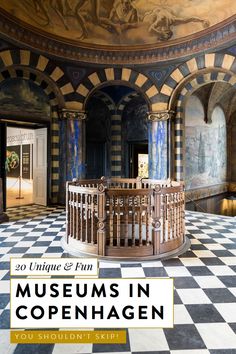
{"x": 72, "y": 114}
{"x": 84, "y": 336}
{"x": 160, "y": 116}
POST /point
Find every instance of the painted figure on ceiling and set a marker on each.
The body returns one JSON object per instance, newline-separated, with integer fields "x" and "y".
{"x": 64, "y": 10}
{"x": 124, "y": 15}
{"x": 123, "y": 12}
{"x": 42, "y": 17}
{"x": 109, "y": 21}
{"x": 162, "y": 18}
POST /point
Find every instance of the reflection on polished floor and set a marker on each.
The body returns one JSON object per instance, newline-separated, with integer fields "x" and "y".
{"x": 13, "y": 191}
{"x": 204, "y": 279}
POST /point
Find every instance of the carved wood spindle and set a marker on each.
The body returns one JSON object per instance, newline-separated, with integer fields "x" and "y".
{"x": 126, "y": 212}
{"x": 118, "y": 221}
{"x": 81, "y": 218}
{"x": 91, "y": 218}
{"x": 139, "y": 208}
{"x": 101, "y": 232}
{"x": 111, "y": 211}
{"x": 133, "y": 221}
{"x": 156, "y": 219}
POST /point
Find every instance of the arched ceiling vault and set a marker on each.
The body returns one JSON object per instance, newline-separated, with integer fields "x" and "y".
{"x": 219, "y": 93}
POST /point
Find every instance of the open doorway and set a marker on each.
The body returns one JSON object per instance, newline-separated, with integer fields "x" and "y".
{"x": 25, "y": 105}
{"x": 138, "y": 160}
{"x": 26, "y": 166}
{"x": 95, "y": 159}
{"x": 98, "y": 139}
{"x": 19, "y": 166}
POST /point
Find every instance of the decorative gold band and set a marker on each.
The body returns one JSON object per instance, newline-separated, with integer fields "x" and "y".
{"x": 72, "y": 114}
{"x": 160, "y": 116}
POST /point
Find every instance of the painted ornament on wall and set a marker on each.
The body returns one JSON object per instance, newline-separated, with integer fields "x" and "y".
{"x": 121, "y": 22}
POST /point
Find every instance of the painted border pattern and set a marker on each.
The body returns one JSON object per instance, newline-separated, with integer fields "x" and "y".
{"x": 212, "y": 37}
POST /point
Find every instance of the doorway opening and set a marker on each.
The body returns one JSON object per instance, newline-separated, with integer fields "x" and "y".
{"x": 98, "y": 132}
{"x": 19, "y": 166}
{"x": 95, "y": 159}
{"x": 25, "y": 165}
{"x": 116, "y": 133}
{"x": 138, "y": 159}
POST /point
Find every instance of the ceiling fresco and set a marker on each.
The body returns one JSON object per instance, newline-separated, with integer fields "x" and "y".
{"x": 120, "y": 22}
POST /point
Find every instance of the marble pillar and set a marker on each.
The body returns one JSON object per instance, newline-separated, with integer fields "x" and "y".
{"x": 72, "y": 144}
{"x": 159, "y": 141}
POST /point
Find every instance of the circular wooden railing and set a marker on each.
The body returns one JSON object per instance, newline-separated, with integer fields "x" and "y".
{"x": 121, "y": 218}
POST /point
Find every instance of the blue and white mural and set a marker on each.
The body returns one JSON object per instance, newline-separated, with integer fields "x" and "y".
{"x": 206, "y": 152}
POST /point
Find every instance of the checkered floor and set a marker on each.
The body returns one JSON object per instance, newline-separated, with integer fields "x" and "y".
{"x": 205, "y": 284}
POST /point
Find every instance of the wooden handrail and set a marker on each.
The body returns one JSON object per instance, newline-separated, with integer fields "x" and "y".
{"x": 118, "y": 216}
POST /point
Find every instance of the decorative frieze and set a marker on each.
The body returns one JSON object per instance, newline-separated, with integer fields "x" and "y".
{"x": 160, "y": 116}
{"x": 73, "y": 114}
{"x": 211, "y": 37}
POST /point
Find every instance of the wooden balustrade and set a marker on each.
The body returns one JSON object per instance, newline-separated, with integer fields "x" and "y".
{"x": 125, "y": 218}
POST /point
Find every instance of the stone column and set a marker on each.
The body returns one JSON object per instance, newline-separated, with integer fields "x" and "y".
{"x": 159, "y": 144}
{"x": 73, "y": 142}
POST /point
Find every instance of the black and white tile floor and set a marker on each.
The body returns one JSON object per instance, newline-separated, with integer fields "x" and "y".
{"x": 204, "y": 277}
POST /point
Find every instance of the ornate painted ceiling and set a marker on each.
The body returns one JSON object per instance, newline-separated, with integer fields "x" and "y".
{"x": 118, "y": 25}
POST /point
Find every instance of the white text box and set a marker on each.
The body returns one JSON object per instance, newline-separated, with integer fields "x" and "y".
{"x": 91, "y": 303}
{"x": 54, "y": 266}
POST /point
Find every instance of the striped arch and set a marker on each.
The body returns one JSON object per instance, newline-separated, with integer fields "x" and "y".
{"x": 104, "y": 97}
{"x": 39, "y": 69}
{"x": 51, "y": 91}
{"x": 25, "y": 58}
{"x": 191, "y": 85}
{"x": 138, "y": 81}
{"x": 212, "y": 63}
{"x": 126, "y": 99}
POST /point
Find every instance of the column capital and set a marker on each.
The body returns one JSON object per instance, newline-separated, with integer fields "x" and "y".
{"x": 159, "y": 116}
{"x": 72, "y": 114}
